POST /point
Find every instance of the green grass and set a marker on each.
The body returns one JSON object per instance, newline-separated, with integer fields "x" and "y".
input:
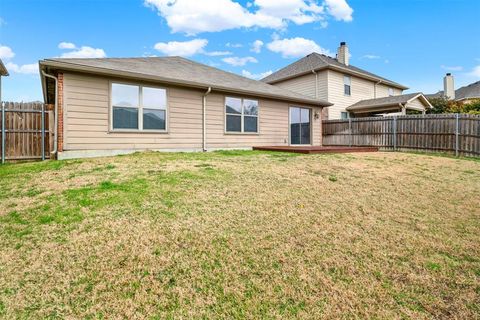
{"x": 241, "y": 234}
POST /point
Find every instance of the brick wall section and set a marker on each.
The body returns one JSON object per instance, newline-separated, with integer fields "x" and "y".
{"x": 60, "y": 112}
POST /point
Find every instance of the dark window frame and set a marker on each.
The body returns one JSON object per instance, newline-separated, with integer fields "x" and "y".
{"x": 242, "y": 115}
{"x": 140, "y": 109}
{"x": 347, "y": 87}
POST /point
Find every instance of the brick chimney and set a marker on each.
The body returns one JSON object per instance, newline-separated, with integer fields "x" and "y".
{"x": 449, "y": 86}
{"x": 342, "y": 53}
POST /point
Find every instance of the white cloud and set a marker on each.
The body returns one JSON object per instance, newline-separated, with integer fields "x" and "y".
{"x": 66, "y": 45}
{"x": 218, "y": 53}
{"x": 233, "y": 45}
{"x": 185, "y": 48}
{"x": 84, "y": 52}
{"x": 2, "y": 22}
{"x": 237, "y": 61}
{"x": 296, "y": 47}
{"x": 193, "y": 16}
{"x": 339, "y": 9}
{"x": 475, "y": 72}
{"x": 23, "y": 69}
{"x": 370, "y": 56}
{"x": 6, "y": 52}
{"x": 451, "y": 68}
{"x": 257, "y": 46}
{"x": 256, "y": 76}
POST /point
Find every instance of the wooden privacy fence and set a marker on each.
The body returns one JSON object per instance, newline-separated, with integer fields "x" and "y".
{"x": 25, "y": 131}
{"x": 457, "y": 133}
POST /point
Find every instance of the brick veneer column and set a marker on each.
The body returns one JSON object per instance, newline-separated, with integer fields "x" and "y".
{"x": 60, "y": 113}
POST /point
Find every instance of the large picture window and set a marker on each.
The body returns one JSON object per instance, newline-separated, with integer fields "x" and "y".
{"x": 138, "y": 107}
{"x": 241, "y": 115}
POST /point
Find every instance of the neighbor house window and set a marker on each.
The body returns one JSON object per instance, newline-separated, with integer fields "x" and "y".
{"x": 241, "y": 115}
{"x": 347, "y": 82}
{"x": 344, "y": 115}
{"x": 138, "y": 107}
{"x": 390, "y": 92}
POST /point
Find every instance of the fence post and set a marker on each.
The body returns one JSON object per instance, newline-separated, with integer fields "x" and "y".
{"x": 3, "y": 132}
{"x": 350, "y": 131}
{"x": 43, "y": 132}
{"x": 394, "y": 133}
{"x": 457, "y": 132}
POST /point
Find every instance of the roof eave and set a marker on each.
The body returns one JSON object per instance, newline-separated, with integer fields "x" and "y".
{"x": 191, "y": 84}
{"x": 3, "y": 70}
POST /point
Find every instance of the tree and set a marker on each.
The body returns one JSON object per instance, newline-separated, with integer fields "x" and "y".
{"x": 443, "y": 105}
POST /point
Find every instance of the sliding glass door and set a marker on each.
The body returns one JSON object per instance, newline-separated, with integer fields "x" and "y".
{"x": 299, "y": 125}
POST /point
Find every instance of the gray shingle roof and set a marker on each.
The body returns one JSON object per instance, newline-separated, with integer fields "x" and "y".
{"x": 383, "y": 102}
{"x": 180, "y": 71}
{"x": 470, "y": 91}
{"x": 315, "y": 61}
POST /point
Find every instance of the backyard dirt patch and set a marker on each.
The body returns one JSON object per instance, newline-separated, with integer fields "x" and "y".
{"x": 241, "y": 235}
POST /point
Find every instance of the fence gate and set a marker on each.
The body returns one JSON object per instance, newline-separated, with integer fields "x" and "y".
{"x": 26, "y": 131}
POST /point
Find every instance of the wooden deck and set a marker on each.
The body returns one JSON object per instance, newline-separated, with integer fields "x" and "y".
{"x": 317, "y": 149}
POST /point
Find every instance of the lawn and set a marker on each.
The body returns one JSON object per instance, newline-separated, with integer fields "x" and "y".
{"x": 241, "y": 234}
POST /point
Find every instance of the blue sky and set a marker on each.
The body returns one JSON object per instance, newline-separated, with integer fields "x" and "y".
{"x": 412, "y": 42}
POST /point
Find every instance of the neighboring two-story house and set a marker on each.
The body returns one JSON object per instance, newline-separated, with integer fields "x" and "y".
{"x": 465, "y": 94}
{"x": 353, "y": 91}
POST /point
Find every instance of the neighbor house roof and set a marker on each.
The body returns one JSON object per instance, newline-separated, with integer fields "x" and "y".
{"x": 471, "y": 91}
{"x": 3, "y": 70}
{"x": 468, "y": 92}
{"x": 316, "y": 61}
{"x": 388, "y": 101}
{"x": 179, "y": 71}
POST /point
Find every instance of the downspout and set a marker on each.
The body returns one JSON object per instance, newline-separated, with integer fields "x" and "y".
{"x": 375, "y": 89}
{"x": 204, "y": 119}
{"x": 55, "y": 140}
{"x": 316, "y": 83}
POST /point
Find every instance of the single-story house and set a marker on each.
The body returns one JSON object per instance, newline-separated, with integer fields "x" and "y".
{"x": 388, "y": 105}
{"x": 119, "y": 105}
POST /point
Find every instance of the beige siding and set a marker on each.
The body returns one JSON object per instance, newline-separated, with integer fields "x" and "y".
{"x": 382, "y": 91}
{"x": 361, "y": 89}
{"x": 330, "y": 88}
{"x": 306, "y": 84}
{"x": 416, "y": 104}
{"x": 86, "y": 120}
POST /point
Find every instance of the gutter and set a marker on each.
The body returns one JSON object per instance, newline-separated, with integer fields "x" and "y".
{"x": 316, "y": 83}
{"x": 55, "y": 140}
{"x": 375, "y": 89}
{"x": 204, "y": 119}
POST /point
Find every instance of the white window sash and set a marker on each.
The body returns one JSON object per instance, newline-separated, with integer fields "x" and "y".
{"x": 242, "y": 116}
{"x": 140, "y": 109}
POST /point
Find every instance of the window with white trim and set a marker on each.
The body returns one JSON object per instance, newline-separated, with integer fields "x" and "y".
{"x": 241, "y": 115}
{"x": 347, "y": 82}
{"x": 138, "y": 107}
{"x": 391, "y": 92}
